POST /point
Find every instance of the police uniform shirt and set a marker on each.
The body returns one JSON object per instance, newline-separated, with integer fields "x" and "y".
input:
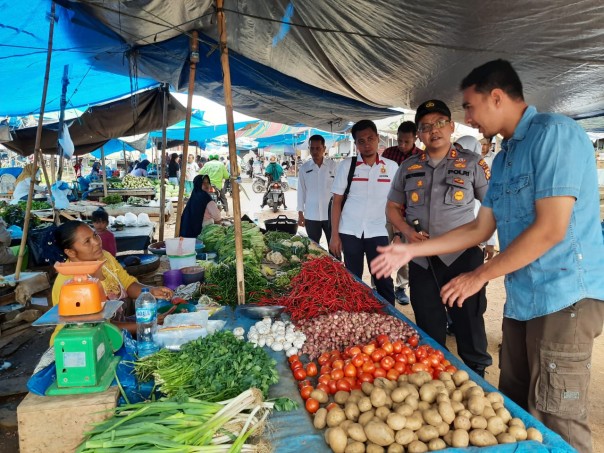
{"x": 364, "y": 214}
{"x": 441, "y": 196}
{"x": 314, "y": 188}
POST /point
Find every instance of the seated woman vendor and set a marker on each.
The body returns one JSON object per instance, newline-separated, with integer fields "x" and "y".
{"x": 79, "y": 242}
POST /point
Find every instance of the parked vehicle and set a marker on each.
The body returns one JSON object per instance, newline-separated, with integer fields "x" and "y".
{"x": 215, "y": 195}
{"x": 260, "y": 183}
{"x": 275, "y": 197}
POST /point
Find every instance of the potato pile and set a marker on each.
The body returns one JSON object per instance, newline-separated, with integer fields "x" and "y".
{"x": 418, "y": 414}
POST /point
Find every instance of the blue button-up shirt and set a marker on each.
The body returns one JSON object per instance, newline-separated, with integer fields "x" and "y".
{"x": 549, "y": 155}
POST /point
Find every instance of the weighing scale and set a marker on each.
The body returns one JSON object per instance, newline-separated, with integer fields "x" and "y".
{"x": 84, "y": 348}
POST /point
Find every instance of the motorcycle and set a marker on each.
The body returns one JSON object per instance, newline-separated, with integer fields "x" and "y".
{"x": 260, "y": 183}
{"x": 275, "y": 197}
{"x": 215, "y": 196}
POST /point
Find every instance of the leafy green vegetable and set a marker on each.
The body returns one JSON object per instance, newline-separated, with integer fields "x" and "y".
{"x": 211, "y": 236}
{"x": 15, "y": 215}
{"x": 112, "y": 199}
{"x": 214, "y": 368}
{"x": 284, "y": 404}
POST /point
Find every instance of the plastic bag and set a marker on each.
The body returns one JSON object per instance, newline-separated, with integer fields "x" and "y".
{"x": 143, "y": 219}
{"x": 181, "y": 328}
{"x": 130, "y": 219}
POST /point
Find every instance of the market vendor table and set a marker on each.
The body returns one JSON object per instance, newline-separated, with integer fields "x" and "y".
{"x": 87, "y": 209}
{"x": 134, "y": 238}
{"x": 143, "y": 193}
{"x": 294, "y": 432}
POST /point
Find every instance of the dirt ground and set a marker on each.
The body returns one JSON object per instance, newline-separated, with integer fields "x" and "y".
{"x": 27, "y": 356}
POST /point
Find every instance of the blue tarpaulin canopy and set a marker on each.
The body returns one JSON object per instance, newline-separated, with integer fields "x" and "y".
{"x": 103, "y": 65}
{"x": 198, "y": 134}
{"x": 113, "y": 146}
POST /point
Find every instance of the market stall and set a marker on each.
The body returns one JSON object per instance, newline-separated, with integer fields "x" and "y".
{"x": 310, "y": 361}
{"x": 97, "y": 193}
{"x": 87, "y": 208}
{"x": 134, "y": 238}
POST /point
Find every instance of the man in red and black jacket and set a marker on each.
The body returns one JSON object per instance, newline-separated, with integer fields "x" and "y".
{"x": 405, "y": 136}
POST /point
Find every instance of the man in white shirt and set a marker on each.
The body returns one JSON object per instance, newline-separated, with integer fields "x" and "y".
{"x": 359, "y": 227}
{"x": 315, "y": 178}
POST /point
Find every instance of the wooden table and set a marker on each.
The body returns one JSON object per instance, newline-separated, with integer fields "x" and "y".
{"x": 148, "y": 193}
{"x": 87, "y": 209}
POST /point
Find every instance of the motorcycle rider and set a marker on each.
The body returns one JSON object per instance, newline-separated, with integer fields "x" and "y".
{"x": 273, "y": 172}
{"x": 217, "y": 172}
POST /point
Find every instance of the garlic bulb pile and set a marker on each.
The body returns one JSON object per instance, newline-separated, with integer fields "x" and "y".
{"x": 278, "y": 335}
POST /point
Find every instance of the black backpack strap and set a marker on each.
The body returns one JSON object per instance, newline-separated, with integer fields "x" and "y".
{"x": 353, "y": 164}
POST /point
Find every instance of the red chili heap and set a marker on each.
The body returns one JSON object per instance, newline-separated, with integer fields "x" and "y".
{"x": 324, "y": 286}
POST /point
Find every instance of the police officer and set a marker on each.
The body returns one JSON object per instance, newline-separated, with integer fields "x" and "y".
{"x": 437, "y": 188}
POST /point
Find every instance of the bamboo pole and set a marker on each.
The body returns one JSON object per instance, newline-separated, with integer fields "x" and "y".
{"x": 228, "y": 104}
{"x": 53, "y": 169}
{"x": 48, "y": 184}
{"x": 104, "y": 171}
{"x": 64, "y": 83}
{"x": 125, "y": 161}
{"x": 162, "y": 172}
{"x": 37, "y": 143}
{"x": 194, "y": 58}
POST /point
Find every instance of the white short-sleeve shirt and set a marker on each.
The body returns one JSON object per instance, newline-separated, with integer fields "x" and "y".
{"x": 314, "y": 188}
{"x": 364, "y": 214}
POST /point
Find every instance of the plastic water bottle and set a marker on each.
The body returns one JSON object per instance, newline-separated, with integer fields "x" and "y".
{"x": 146, "y": 323}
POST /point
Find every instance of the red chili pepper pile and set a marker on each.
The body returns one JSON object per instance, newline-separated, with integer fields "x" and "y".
{"x": 325, "y": 286}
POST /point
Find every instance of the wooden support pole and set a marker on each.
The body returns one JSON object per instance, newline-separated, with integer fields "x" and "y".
{"x": 37, "y": 143}
{"x": 46, "y": 178}
{"x": 64, "y": 82}
{"x": 193, "y": 58}
{"x": 228, "y": 105}
{"x": 162, "y": 172}
{"x": 104, "y": 172}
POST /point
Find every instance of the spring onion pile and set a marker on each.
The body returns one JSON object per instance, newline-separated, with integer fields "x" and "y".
{"x": 214, "y": 368}
{"x": 183, "y": 426}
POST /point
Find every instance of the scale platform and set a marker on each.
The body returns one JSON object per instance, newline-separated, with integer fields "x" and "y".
{"x": 52, "y": 318}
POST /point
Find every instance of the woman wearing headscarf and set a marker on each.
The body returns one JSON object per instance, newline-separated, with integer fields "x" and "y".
{"x": 22, "y": 184}
{"x": 191, "y": 222}
{"x": 95, "y": 173}
{"x": 173, "y": 169}
{"x": 141, "y": 168}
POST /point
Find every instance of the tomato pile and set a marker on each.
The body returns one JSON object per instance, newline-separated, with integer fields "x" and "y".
{"x": 346, "y": 371}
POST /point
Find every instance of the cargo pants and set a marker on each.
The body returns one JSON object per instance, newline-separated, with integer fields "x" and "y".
{"x": 545, "y": 367}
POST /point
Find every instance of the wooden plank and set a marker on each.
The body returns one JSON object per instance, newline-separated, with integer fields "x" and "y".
{"x": 10, "y": 334}
{"x": 14, "y": 386}
{"x": 19, "y": 341}
{"x": 47, "y": 424}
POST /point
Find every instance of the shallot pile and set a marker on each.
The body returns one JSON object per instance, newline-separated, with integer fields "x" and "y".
{"x": 341, "y": 329}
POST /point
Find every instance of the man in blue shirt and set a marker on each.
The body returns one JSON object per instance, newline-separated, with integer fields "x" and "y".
{"x": 543, "y": 199}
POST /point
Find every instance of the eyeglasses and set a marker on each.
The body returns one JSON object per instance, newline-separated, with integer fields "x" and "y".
{"x": 429, "y": 127}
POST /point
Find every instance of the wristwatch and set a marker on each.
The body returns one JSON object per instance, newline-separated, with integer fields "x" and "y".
{"x": 399, "y": 234}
